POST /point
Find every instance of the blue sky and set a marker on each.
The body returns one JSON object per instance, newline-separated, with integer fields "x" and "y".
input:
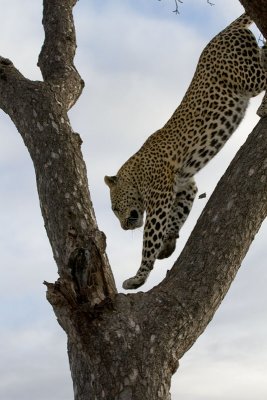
{"x": 137, "y": 59}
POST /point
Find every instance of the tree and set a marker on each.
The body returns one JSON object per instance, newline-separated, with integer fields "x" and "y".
{"x": 138, "y": 354}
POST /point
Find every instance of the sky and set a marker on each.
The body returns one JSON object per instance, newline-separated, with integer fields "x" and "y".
{"x": 137, "y": 58}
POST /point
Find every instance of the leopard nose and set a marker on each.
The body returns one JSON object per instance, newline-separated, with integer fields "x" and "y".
{"x": 133, "y": 214}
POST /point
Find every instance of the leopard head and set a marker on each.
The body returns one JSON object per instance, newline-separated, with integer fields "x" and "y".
{"x": 126, "y": 202}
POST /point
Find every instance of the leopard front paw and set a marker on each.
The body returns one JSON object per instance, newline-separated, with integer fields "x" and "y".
{"x": 133, "y": 283}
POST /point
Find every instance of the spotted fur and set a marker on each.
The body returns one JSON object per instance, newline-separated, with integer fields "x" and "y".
{"x": 159, "y": 178}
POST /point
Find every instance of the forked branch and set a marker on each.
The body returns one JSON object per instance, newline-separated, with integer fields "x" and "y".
{"x": 39, "y": 111}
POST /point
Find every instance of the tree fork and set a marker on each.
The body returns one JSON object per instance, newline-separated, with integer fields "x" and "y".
{"x": 124, "y": 351}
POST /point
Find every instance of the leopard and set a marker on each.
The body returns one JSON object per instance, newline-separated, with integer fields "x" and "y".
{"x": 158, "y": 180}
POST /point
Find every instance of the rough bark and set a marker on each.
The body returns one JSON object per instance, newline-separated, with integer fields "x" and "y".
{"x": 257, "y": 9}
{"x": 117, "y": 349}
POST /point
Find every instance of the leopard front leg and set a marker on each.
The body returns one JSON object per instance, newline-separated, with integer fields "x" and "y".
{"x": 158, "y": 212}
{"x": 181, "y": 207}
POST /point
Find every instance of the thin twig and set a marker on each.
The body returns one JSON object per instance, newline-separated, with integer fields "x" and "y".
{"x": 176, "y": 11}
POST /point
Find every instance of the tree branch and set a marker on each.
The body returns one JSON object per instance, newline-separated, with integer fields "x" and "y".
{"x": 39, "y": 111}
{"x": 257, "y": 9}
{"x": 12, "y": 85}
{"x": 192, "y": 291}
{"x": 58, "y": 51}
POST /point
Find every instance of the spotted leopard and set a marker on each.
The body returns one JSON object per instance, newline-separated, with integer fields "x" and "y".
{"x": 159, "y": 178}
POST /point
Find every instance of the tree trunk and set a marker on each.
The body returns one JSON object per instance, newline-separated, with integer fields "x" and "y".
{"x": 123, "y": 346}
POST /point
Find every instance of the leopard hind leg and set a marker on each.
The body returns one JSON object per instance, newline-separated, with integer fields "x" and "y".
{"x": 181, "y": 208}
{"x": 262, "y": 110}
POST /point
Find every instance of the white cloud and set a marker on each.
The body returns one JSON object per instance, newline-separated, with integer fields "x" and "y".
{"x": 35, "y": 365}
{"x": 22, "y": 34}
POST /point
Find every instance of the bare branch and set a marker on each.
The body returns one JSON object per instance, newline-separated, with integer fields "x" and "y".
{"x": 14, "y": 88}
{"x": 209, "y": 262}
{"x": 176, "y": 11}
{"x": 39, "y": 111}
{"x": 58, "y": 51}
{"x": 258, "y": 11}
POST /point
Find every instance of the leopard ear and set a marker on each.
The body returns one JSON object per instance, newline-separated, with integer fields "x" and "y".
{"x": 110, "y": 180}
